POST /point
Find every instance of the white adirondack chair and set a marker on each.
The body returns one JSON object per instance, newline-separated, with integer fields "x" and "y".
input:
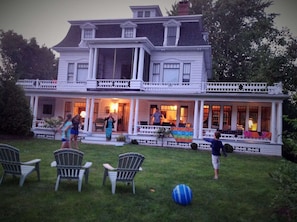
{"x": 10, "y": 161}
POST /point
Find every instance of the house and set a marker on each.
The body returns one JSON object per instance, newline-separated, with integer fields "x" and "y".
{"x": 129, "y": 67}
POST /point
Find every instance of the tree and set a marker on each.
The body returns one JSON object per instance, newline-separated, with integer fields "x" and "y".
{"x": 16, "y": 117}
{"x": 30, "y": 60}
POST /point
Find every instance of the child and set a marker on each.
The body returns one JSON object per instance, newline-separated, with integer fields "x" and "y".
{"x": 216, "y": 146}
{"x": 66, "y": 129}
{"x": 75, "y": 130}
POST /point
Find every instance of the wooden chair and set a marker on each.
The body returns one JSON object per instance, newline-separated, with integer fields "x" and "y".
{"x": 10, "y": 161}
{"x": 69, "y": 166}
{"x": 99, "y": 124}
{"x": 128, "y": 165}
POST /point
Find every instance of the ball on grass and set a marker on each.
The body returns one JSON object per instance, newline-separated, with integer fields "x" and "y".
{"x": 182, "y": 194}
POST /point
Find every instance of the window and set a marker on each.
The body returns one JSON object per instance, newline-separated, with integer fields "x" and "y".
{"x": 156, "y": 72}
{"x": 82, "y": 72}
{"x": 241, "y": 115}
{"x": 215, "y": 116}
{"x": 227, "y": 117}
{"x": 70, "y": 72}
{"x": 140, "y": 14}
{"x": 171, "y": 32}
{"x": 47, "y": 109}
{"x": 128, "y": 29}
{"x": 128, "y": 32}
{"x": 186, "y": 72}
{"x": 171, "y": 36}
{"x": 169, "y": 114}
{"x": 253, "y": 118}
{"x": 67, "y": 108}
{"x": 265, "y": 122}
{"x": 183, "y": 114}
{"x": 205, "y": 116}
{"x": 171, "y": 72}
{"x": 147, "y": 14}
{"x": 88, "y": 33}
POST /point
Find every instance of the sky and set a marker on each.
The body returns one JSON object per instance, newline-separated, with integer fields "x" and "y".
{"x": 47, "y": 20}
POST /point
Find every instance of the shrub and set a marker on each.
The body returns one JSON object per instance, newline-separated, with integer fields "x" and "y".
{"x": 121, "y": 138}
{"x": 228, "y": 148}
{"x": 285, "y": 201}
{"x": 194, "y": 146}
{"x": 134, "y": 141}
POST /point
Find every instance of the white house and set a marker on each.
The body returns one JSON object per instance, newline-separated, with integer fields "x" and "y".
{"x": 131, "y": 66}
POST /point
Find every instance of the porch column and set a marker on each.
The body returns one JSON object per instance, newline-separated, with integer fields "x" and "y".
{"x": 221, "y": 124}
{"x": 131, "y": 117}
{"x": 91, "y": 59}
{"x": 247, "y": 116}
{"x": 200, "y": 132}
{"x": 90, "y": 126}
{"x": 95, "y": 63}
{"x": 135, "y": 63}
{"x": 209, "y": 116}
{"x": 259, "y": 122}
{"x": 136, "y": 116}
{"x": 31, "y": 103}
{"x": 279, "y": 122}
{"x": 140, "y": 64}
{"x": 35, "y": 108}
{"x": 234, "y": 118}
{"x": 272, "y": 122}
{"x": 86, "y": 123}
{"x": 195, "y": 125}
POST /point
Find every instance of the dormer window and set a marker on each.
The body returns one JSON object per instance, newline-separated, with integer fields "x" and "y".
{"x": 88, "y": 31}
{"x": 128, "y": 30}
{"x": 146, "y": 11}
{"x": 143, "y": 14}
{"x": 172, "y": 33}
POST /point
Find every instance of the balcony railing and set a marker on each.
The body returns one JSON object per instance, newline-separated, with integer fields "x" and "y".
{"x": 203, "y": 87}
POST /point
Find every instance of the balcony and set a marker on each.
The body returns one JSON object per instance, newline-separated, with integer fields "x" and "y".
{"x": 119, "y": 84}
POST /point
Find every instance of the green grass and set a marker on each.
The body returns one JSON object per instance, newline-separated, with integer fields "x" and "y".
{"x": 243, "y": 192}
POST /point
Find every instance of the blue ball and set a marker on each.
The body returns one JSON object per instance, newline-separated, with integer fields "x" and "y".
{"x": 182, "y": 194}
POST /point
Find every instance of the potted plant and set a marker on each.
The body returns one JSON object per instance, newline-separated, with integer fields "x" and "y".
{"x": 163, "y": 132}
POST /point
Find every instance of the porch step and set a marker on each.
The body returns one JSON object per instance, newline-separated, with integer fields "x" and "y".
{"x": 100, "y": 139}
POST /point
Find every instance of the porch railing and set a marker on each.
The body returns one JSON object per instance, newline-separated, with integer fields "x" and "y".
{"x": 203, "y": 87}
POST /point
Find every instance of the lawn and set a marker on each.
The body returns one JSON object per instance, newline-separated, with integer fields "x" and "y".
{"x": 243, "y": 192}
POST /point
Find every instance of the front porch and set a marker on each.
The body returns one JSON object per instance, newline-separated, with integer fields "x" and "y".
{"x": 147, "y": 135}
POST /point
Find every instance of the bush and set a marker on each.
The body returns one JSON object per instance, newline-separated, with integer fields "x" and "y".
{"x": 285, "y": 201}
{"x": 194, "y": 146}
{"x": 135, "y": 142}
{"x": 121, "y": 138}
{"x": 228, "y": 148}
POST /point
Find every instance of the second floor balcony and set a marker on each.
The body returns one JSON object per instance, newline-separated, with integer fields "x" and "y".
{"x": 184, "y": 87}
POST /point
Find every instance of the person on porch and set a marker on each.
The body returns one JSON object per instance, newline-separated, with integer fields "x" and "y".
{"x": 109, "y": 126}
{"x": 157, "y": 116}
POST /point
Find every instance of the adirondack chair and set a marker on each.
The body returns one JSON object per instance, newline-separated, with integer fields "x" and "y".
{"x": 10, "y": 161}
{"x": 69, "y": 166}
{"x": 99, "y": 124}
{"x": 128, "y": 165}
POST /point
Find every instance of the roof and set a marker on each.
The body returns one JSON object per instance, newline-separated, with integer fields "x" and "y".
{"x": 151, "y": 28}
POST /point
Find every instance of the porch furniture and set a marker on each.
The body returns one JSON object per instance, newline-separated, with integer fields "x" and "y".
{"x": 99, "y": 124}
{"x": 69, "y": 166}
{"x": 143, "y": 123}
{"x": 128, "y": 165}
{"x": 10, "y": 161}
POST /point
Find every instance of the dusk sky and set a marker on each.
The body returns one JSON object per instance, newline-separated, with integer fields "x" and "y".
{"x": 47, "y": 20}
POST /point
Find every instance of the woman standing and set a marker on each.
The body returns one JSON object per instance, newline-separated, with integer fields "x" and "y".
{"x": 75, "y": 130}
{"x": 109, "y": 126}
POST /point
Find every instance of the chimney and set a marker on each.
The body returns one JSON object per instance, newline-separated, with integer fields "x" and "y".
{"x": 183, "y": 7}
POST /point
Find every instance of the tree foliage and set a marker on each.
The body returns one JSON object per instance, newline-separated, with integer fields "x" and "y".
{"x": 29, "y": 60}
{"x": 16, "y": 117}
{"x": 245, "y": 44}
